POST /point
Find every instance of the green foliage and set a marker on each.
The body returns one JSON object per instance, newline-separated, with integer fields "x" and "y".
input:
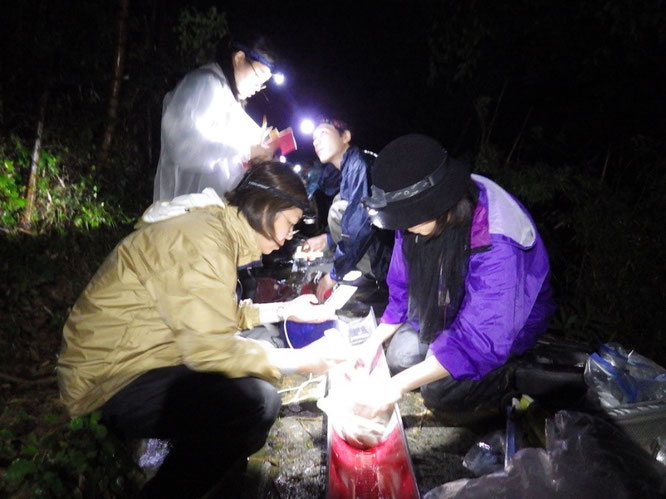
{"x": 11, "y": 200}
{"x": 77, "y": 459}
{"x": 200, "y": 33}
{"x": 64, "y": 197}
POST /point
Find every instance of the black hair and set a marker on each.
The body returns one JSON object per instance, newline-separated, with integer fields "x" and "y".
{"x": 266, "y": 189}
{"x": 255, "y": 43}
{"x": 340, "y": 125}
{"x": 437, "y": 266}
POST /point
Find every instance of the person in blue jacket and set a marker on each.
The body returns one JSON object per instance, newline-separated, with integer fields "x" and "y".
{"x": 355, "y": 242}
{"x": 468, "y": 281}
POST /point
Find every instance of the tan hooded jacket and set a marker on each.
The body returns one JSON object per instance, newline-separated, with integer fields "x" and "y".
{"x": 166, "y": 295}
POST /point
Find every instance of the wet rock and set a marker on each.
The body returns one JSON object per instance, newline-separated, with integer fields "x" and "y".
{"x": 292, "y": 464}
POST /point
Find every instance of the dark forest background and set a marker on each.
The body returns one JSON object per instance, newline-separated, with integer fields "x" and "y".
{"x": 560, "y": 102}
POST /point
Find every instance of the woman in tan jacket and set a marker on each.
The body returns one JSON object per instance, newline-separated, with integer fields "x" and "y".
{"x": 153, "y": 341}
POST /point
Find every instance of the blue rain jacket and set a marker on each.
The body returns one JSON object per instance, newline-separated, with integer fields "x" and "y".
{"x": 358, "y": 234}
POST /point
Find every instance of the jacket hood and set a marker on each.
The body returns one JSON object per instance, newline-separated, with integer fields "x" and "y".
{"x": 506, "y": 216}
{"x": 163, "y": 210}
{"x": 233, "y": 220}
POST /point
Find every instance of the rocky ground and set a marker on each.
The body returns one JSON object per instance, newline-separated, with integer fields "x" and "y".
{"x": 292, "y": 464}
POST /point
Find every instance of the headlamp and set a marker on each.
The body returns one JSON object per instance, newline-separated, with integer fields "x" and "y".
{"x": 308, "y": 215}
{"x": 254, "y": 55}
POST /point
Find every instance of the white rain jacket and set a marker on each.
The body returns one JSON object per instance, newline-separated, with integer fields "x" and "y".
{"x": 206, "y": 136}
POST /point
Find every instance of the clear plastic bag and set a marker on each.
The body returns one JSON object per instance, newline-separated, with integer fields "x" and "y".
{"x": 616, "y": 377}
{"x": 357, "y": 329}
{"x": 486, "y": 455}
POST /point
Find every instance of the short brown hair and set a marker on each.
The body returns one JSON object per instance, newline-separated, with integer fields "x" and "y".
{"x": 283, "y": 189}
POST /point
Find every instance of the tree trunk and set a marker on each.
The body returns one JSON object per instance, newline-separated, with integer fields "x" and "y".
{"x": 26, "y": 217}
{"x": 116, "y": 82}
{"x": 149, "y": 50}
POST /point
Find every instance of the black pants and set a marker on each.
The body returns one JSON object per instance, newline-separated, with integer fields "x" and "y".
{"x": 212, "y": 421}
{"x": 468, "y": 399}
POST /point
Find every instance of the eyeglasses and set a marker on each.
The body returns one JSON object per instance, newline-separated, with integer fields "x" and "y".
{"x": 291, "y": 231}
{"x": 261, "y": 80}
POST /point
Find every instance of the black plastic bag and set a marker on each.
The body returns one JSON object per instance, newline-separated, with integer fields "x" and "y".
{"x": 585, "y": 456}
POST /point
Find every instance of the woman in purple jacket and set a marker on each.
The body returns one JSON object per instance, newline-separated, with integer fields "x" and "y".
{"x": 468, "y": 281}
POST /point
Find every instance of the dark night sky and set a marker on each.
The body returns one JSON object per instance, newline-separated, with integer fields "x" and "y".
{"x": 369, "y": 61}
{"x": 588, "y": 74}
{"x": 364, "y": 63}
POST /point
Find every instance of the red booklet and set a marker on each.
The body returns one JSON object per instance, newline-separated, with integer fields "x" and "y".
{"x": 284, "y": 141}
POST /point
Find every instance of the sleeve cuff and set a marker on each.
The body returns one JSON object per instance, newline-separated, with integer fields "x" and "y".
{"x": 457, "y": 360}
{"x": 250, "y": 314}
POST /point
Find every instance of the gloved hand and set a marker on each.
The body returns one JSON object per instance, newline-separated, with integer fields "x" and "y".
{"x": 375, "y": 399}
{"x": 360, "y": 405}
{"x": 358, "y": 431}
{"x": 330, "y": 350}
{"x": 316, "y": 358}
{"x": 303, "y": 308}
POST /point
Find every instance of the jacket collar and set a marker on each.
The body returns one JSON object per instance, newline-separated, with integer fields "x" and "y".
{"x": 249, "y": 253}
{"x": 350, "y": 153}
{"x": 163, "y": 210}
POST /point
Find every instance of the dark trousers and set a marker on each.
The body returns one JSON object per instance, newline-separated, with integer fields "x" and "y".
{"x": 212, "y": 421}
{"x": 467, "y": 400}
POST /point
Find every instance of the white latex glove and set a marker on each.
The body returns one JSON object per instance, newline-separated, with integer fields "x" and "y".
{"x": 316, "y": 358}
{"x": 358, "y": 431}
{"x": 303, "y": 308}
{"x": 372, "y": 399}
{"x": 330, "y": 350}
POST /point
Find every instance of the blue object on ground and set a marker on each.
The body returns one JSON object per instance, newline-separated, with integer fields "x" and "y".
{"x": 300, "y": 334}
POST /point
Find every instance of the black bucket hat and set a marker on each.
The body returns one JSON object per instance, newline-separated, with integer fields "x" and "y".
{"x": 414, "y": 180}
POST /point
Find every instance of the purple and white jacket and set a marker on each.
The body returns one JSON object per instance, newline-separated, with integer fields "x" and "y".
{"x": 508, "y": 298}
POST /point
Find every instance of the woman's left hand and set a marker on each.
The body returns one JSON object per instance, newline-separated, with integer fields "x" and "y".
{"x": 326, "y": 352}
{"x": 325, "y": 284}
{"x": 304, "y": 308}
{"x": 375, "y": 399}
